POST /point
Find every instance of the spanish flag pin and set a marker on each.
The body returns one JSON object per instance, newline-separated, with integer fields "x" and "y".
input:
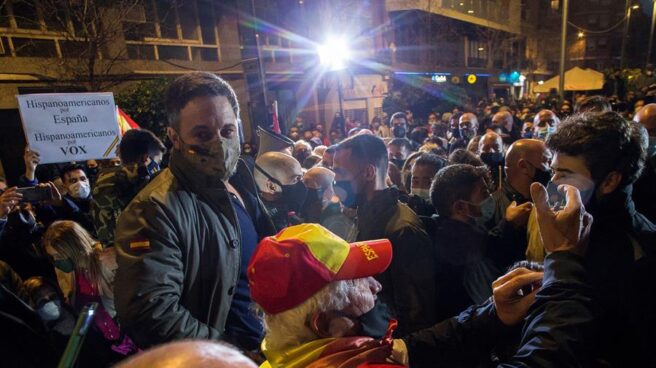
{"x": 140, "y": 244}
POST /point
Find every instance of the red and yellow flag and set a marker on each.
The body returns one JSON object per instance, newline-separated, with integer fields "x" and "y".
{"x": 124, "y": 121}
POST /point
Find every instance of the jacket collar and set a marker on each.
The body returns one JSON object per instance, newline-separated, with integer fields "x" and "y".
{"x": 617, "y": 207}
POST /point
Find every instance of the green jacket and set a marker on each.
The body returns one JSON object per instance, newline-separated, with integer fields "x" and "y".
{"x": 179, "y": 254}
{"x": 114, "y": 189}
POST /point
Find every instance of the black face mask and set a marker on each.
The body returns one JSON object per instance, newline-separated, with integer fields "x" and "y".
{"x": 398, "y": 162}
{"x": 455, "y": 133}
{"x": 541, "y": 176}
{"x": 293, "y": 195}
{"x": 492, "y": 159}
{"x": 399, "y": 131}
{"x": 375, "y": 322}
{"x": 346, "y": 194}
{"x": 466, "y": 134}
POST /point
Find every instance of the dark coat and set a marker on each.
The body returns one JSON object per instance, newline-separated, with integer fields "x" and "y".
{"x": 409, "y": 282}
{"x": 179, "y": 256}
{"x": 556, "y": 331}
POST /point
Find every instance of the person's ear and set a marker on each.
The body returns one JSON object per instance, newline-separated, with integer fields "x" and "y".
{"x": 611, "y": 182}
{"x": 370, "y": 173}
{"x": 271, "y": 186}
{"x": 144, "y": 159}
{"x": 459, "y": 208}
{"x": 523, "y": 167}
{"x": 174, "y": 137}
{"x": 319, "y": 324}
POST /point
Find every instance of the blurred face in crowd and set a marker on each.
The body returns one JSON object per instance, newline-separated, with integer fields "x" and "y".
{"x": 470, "y": 209}
{"x": 546, "y": 118}
{"x": 491, "y": 142}
{"x": 432, "y": 119}
{"x": 397, "y": 152}
{"x": 349, "y": 169}
{"x": 399, "y": 121}
{"x": 422, "y": 176}
{"x": 503, "y": 119}
{"x": 468, "y": 125}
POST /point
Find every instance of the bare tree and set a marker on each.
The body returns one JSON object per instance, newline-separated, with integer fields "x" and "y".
{"x": 93, "y": 32}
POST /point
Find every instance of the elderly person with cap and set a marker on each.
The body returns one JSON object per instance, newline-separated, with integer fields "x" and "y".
{"x": 320, "y": 306}
{"x": 319, "y": 300}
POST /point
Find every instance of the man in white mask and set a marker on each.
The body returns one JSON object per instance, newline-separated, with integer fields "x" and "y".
{"x": 423, "y": 170}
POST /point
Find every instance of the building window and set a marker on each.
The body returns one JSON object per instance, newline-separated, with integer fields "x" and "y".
{"x": 34, "y": 47}
{"x": 176, "y": 29}
{"x": 477, "y": 54}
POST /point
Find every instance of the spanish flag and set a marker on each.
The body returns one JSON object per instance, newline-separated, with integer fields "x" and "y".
{"x": 124, "y": 121}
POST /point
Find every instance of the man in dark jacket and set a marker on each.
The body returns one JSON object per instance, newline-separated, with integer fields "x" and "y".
{"x": 602, "y": 156}
{"x": 644, "y": 193}
{"x": 562, "y": 308}
{"x": 360, "y": 167}
{"x": 184, "y": 241}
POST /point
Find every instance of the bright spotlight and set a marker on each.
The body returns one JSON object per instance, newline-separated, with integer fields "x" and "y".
{"x": 334, "y": 54}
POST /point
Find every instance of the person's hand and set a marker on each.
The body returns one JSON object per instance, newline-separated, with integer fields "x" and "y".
{"x": 32, "y": 160}
{"x": 564, "y": 230}
{"x": 510, "y": 300}
{"x": 54, "y": 194}
{"x": 518, "y": 215}
{"x": 8, "y": 200}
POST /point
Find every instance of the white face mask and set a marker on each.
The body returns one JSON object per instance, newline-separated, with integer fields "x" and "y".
{"x": 49, "y": 311}
{"x": 421, "y": 193}
{"x": 80, "y": 189}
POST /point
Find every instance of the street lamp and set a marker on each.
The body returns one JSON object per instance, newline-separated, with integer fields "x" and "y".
{"x": 334, "y": 56}
{"x": 651, "y": 32}
{"x": 626, "y": 31}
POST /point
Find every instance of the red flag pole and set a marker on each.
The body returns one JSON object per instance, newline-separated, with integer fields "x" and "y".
{"x": 276, "y": 123}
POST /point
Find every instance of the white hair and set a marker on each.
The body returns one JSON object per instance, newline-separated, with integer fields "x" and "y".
{"x": 289, "y": 328}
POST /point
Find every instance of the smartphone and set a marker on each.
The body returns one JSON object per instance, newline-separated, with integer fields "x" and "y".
{"x": 35, "y": 194}
{"x": 556, "y": 199}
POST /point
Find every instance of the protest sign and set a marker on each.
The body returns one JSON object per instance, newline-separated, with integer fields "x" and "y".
{"x": 64, "y": 127}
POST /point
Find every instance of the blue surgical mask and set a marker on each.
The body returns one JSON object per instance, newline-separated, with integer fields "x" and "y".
{"x": 486, "y": 208}
{"x": 50, "y": 311}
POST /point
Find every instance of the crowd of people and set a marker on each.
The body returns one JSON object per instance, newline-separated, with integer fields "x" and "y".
{"x": 506, "y": 234}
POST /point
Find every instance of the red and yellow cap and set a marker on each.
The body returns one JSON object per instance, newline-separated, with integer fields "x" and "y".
{"x": 290, "y": 267}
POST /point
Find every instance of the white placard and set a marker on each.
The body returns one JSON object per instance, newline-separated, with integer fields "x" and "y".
{"x": 64, "y": 127}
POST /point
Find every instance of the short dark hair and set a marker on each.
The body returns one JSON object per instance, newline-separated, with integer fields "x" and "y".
{"x": 368, "y": 149}
{"x": 606, "y": 142}
{"x": 196, "y": 84}
{"x": 401, "y": 142}
{"x": 419, "y": 134}
{"x": 68, "y": 168}
{"x": 396, "y": 115}
{"x": 593, "y": 104}
{"x": 454, "y": 183}
{"x": 463, "y": 156}
{"x": 429, "y": 159}
{"x": 139, "y": 142}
